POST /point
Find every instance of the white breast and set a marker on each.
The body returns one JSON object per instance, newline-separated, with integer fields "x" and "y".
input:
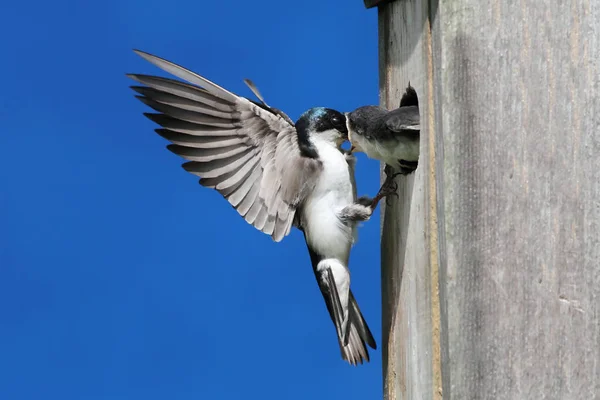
{"x": 325, "y": 232}
{"x": 389, "y": 152}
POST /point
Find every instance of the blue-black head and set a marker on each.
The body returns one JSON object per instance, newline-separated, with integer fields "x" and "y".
{"x": 364, "y": 119}
{"x": 324, "y": 123}
{"x": 320, "y": 120}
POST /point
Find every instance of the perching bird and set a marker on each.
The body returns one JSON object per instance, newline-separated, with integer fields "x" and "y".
{"x": 388, "y": 136}
{"x": 274, "y": 173}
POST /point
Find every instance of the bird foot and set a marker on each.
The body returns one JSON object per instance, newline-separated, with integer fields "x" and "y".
{"x": 388, "y": 188}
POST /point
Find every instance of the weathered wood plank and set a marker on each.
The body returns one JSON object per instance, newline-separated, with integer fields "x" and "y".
{"x": 505, "y": 201}
{"x": 517, "y": 97}
{"x": 407, "y": 309}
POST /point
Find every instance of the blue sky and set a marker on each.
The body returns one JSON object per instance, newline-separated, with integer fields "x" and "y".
{"x": 121, "y": 277}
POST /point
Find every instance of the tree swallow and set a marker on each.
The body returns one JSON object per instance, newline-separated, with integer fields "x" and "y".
{"x": 388, "y": 136}
{"x": 275, "y": 173}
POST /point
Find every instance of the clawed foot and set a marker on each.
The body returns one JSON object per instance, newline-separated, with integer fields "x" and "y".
{"x": 390, "y": 175}
{"x": 388, "y": 188}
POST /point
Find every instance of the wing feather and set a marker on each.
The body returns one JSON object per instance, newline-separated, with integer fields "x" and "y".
{"x": 404, "y": 119}
{"x": 186, "y": 115}
{"x": 212, "y": 169}
{"x": 247, "y": 152}
{"x": 207, "y": 142}
{"x": 188, "y": 128}
{"x": 269, "y": 224}
{"x": 180, "y": 102}
{"x": 204, "y": 155}
{"x": 259, "y": 214}
{"x": 189, "y": 76}
{"x": 228, "y": 185}
{"x": 182, "y": 89}
{"x": 239, "y": 191}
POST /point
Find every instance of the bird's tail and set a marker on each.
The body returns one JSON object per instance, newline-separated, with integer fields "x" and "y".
{"x": 357, "y": 337}
{"x": 352, "y": 330}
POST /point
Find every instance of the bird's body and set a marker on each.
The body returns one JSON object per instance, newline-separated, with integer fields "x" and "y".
{"x": 329, "y": 237}
{"x": 381, "y": 142}
{"x": 274, "y": 173}
{"x": 389, "y": 136}
{"x": 333, "y": 191}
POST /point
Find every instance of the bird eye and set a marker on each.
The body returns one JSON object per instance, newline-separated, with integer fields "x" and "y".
{"x": 336, "y": 120}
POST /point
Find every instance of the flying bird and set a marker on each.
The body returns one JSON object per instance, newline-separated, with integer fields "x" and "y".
{"x": 389, "y": 136}
{"x": 275, "y": 173}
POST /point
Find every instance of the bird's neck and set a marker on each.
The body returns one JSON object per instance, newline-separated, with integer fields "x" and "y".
{"x": 328, "y": 138}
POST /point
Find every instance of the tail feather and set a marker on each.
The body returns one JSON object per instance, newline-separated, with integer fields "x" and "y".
{"x": 352, "y": 331}
{"x": 359, "y": 335}
{"x": 360, "y": 322}
{"x": 355, "y": 351}
{"x": 332, "y": 300}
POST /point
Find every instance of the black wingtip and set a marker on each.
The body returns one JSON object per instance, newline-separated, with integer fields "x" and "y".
{"x": 158, "y": 118}
{"x": 173, "y": 148}
{"x": 147, "y": 101}
{"x": 139, "y": 89}
{"x": 162, "y": 132}
{"x": 190, "y": 166}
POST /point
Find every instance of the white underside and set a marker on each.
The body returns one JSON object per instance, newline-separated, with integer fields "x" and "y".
{"x": 388, "y": 152}
{"x": 331, "y": 238}
{"x": 325, "y": 232}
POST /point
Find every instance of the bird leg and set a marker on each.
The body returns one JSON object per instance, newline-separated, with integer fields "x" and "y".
{"x": 388, "y": 188}
{"x": 364, "y": 206}
{"x": 357, "y": 212}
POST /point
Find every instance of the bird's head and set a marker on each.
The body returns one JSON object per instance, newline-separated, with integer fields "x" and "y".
{"x": 324, "y": 123}
{"x": 358, "y": 122}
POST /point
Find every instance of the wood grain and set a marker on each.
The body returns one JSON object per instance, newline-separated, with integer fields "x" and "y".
{"x": 519, "y": 107}
{"x": 491, "y": 255}
{"x": 406, "y": 274}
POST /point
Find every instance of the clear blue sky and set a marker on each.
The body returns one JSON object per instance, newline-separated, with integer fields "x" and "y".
{"x": 120, "y": 276}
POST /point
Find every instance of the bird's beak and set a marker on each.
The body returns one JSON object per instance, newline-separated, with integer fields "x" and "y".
{"x": 352, "y": 148}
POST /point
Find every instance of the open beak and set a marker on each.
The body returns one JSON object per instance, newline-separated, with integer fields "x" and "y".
{"x": 352, "y": 149}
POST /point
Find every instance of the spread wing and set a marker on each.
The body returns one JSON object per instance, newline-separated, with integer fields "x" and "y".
{"x": 248, "y": 153}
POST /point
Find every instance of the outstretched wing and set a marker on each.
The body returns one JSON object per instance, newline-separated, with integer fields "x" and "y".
{"x": 246, "y": 152}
